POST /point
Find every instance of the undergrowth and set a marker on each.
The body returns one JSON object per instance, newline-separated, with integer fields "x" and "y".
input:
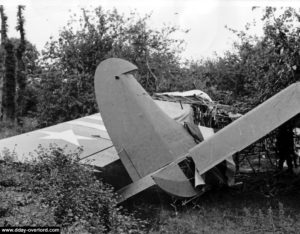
{"x": 8, "y": 129}
{"x": 216, "y": 220}
{"x": 56, "y": 190}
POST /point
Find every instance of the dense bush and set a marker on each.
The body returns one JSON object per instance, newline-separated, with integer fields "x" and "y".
{"x": 69, "y": 63}
{"x": 258, "y": 67}
{"x": 56, "y": 190}
{"x": 60, "y": 83}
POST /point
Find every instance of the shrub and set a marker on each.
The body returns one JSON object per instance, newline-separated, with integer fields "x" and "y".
{"x": 55, "y": 185}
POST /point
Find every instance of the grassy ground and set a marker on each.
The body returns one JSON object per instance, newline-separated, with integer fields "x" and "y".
{"x": 247, "y": 209}
{"x": 265, "y": 203}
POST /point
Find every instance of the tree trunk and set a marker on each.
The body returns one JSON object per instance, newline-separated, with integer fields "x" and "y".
{"x": 20, "y": 75}
{"x": 9, "y": 83}
{"x": 2, "y": 54}
{"x": 2, "y": 70}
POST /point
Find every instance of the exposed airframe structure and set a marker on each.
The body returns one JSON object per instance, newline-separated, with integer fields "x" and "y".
{"x": 151, "y": 145}
{"x": 248, "y": 129}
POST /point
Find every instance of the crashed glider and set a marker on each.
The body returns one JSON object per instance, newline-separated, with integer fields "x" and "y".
{"x": 140, "y": 145}
{"x": 152, "y": 146}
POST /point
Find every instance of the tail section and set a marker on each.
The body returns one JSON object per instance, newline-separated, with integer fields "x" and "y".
{"x": 151, "y": 145}
{"x": 144, "y": 136}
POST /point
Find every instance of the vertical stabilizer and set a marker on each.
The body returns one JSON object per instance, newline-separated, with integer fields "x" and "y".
{"x": 145, "y": 137}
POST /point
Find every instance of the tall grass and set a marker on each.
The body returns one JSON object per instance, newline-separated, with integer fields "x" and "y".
{"x": 203, "y": 220}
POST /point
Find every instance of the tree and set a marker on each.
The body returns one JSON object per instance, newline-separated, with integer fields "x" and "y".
{"x": 13, "y": 74}
{"x": 30, "y": 60}
{"x": 258, "y": 68}
{"x": 7, "y": 72}
{"x": 281, "y": 43}
{"x": 69, "y": 63}
{"x": 21, "y": 69}
{"x": 9, "y": 83}
{"x": 272, "y": 62}
{"x": 2, "y": 52}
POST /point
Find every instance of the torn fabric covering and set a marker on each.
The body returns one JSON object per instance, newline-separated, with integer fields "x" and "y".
{"x": 205, "y": 111}
{"x": 183, "y": 113}
{"x": 190, "y": 93}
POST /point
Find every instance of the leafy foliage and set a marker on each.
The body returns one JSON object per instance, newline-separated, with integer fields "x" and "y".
{"x": 60, "y": 85}
{"x": 21, "y": 69}
{"x": 259, "y": 67}
{"x": 13, "y": 71}
{"x": 56, "y": 190}
{"x": 2, "y": 51}
{"x": 29, "y": 61}
{"x": 70, "y": 62}
{"x": 9, "y": 83}
{"x": 4, "y": 25}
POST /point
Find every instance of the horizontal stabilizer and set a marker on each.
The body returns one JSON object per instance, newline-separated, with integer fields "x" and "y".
{"x": 247, "y": 129}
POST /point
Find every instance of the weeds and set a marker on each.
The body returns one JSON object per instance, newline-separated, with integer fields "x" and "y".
{"x": 272, "y": 220}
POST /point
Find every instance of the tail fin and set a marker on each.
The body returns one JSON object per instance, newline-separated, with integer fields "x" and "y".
{"x": 144, "y": 136}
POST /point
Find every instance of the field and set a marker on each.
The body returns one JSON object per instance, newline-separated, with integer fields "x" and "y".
{"x": 264, "y": 203}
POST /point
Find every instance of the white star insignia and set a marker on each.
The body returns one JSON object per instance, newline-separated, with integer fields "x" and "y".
{"x": 67, "y": 135}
